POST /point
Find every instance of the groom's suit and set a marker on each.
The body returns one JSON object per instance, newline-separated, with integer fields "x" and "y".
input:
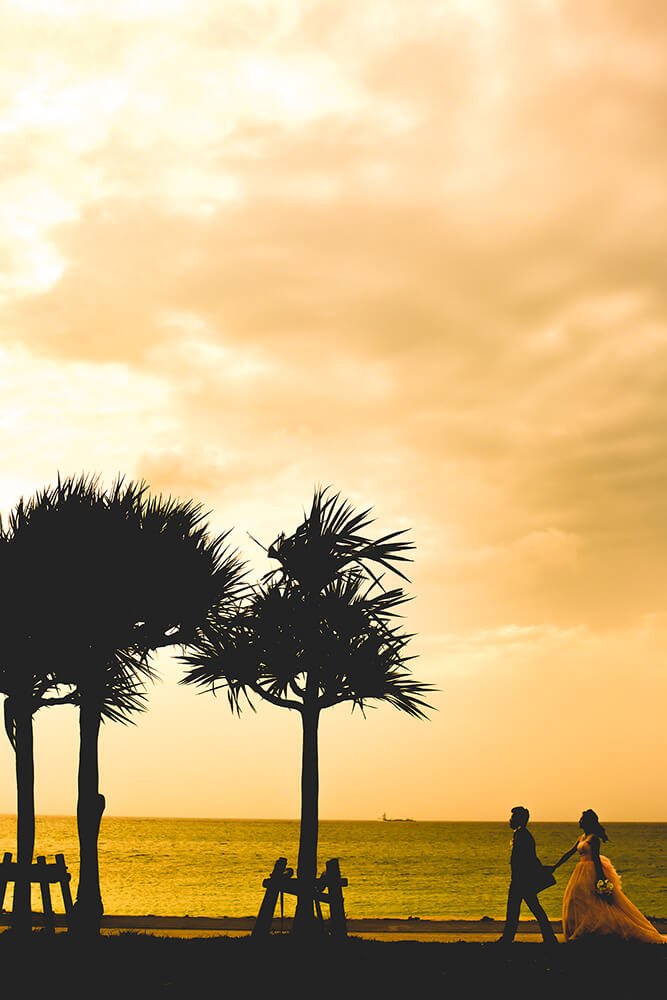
{"x": 526, "y": 871}
{"x": 523, "y": 859}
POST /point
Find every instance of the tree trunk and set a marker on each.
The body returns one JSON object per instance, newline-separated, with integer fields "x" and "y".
{"x": 305, "y": 921}
{"x": 25, "y": 813}
{"x": 88, "y": 908}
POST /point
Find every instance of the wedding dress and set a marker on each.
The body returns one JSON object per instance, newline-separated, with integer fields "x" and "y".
{"x": 585, "y": 913}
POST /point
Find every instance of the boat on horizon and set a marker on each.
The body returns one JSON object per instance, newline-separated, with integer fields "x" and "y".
{"x": 391, "y": 819}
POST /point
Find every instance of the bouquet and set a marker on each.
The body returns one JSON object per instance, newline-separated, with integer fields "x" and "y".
{"x": 604, "y": 888}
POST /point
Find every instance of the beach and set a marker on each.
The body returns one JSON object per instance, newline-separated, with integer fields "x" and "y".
{"x": 375, "y": 929}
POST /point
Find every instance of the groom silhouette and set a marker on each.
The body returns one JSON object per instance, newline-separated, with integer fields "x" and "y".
{"x": 527, "y": 880}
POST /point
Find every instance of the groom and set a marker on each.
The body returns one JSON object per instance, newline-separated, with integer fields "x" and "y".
{"x": 525, "y": 883}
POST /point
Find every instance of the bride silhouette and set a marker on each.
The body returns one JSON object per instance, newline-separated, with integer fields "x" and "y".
{"x": 593, "y": 904}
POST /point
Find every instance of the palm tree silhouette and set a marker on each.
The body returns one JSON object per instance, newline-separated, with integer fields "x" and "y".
{"x": 317, "y": 631}
{"x": 114, "y": 575}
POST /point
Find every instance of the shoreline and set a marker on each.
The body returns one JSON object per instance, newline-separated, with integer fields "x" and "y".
{"x": 381, "y": 929}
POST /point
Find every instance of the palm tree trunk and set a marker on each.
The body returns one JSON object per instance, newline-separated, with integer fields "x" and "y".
{"x": 25, "y": 813}
{"x": 88, "y": 909}
{"x": 304, "y": 918}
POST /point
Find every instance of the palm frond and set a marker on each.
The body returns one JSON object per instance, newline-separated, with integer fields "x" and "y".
{"x": 101, "y": 577}
{"x": 284, "y": 630}
{"x": 329, "y": 539}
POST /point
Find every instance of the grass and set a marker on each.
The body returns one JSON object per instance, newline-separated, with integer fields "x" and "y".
{"x": 133, "y": 965}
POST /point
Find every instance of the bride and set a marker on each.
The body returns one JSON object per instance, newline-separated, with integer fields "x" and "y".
{"x": 593, "y": 904}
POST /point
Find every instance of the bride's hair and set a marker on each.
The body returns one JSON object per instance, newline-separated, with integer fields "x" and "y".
{"x": 594, "y": 823}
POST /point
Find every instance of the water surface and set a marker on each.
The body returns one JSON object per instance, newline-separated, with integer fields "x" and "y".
{"x": 215, "y": 867}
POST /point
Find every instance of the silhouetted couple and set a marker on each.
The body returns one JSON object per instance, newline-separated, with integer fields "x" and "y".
{"x": 594, "y": 905}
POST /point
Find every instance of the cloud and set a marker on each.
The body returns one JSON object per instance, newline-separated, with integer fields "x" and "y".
{"x": 412, "y": 250}
{"x": 416, "y": 252}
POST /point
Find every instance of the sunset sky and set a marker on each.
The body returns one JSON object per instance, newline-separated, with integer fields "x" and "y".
{"x": 414, "y": 249}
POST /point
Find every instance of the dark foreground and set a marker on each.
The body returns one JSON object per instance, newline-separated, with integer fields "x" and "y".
{"x": 140, "y": 965}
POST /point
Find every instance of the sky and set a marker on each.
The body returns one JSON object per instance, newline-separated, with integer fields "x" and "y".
{"x": 414, "y": 250}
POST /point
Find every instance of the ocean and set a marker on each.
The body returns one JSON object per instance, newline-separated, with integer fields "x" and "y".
{"x": 215, "y": 867}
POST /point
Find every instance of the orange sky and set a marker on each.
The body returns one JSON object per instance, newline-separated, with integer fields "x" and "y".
{"x": 415, "y": 250}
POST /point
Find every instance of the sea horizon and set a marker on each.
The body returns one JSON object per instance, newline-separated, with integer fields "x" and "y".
{"x": 328, "y": 819}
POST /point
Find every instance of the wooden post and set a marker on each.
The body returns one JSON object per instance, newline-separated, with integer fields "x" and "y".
{"x": 335, "y": 894}
{"x": 64, "y": 879}
{"x": 5, "y": 871}
{"x": 44, "y": 874}
{"x": 328, "y": 888}
{"x": 272, "y": 885}
{"x": 49, "y": 922}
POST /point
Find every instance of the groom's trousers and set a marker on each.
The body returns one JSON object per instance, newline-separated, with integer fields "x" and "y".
{"x": 516, "y": 895}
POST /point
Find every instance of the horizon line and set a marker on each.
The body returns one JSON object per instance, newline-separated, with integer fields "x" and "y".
{"x": 323, "y": 819}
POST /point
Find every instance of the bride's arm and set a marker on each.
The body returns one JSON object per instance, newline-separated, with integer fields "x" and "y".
{"x": 568, "y": 854}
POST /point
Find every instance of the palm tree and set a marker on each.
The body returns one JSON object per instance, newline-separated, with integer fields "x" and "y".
{"x": 317, "y": 631}
{"x": 107, "y": 577}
